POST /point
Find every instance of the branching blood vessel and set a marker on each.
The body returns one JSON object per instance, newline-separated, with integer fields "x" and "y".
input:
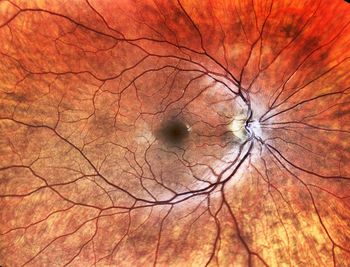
{"x": 174, "y": 133}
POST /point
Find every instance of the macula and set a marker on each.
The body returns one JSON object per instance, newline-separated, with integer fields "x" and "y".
{"x": 175, "y": 133}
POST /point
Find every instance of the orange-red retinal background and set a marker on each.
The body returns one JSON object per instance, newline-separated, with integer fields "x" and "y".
{"x": 85, "y": 86}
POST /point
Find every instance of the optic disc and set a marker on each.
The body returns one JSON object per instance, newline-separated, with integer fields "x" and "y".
{"x": 253, "y": 129}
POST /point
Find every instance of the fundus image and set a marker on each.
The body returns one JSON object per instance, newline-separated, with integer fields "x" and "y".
{"x": 174, "y": 133}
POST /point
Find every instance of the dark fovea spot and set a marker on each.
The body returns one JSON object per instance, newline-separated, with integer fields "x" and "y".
{"x": 173, "y": 132}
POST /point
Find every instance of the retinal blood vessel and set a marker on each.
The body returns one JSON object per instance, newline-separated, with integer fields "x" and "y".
{"x": 174, "y": 133}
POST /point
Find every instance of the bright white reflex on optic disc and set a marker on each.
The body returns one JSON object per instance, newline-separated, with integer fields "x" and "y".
{"x": 255, "y": 128}
{"x": 241, "y": 130}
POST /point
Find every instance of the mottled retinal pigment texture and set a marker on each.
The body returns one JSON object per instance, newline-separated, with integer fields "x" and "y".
{"x": 174, "y": 133}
